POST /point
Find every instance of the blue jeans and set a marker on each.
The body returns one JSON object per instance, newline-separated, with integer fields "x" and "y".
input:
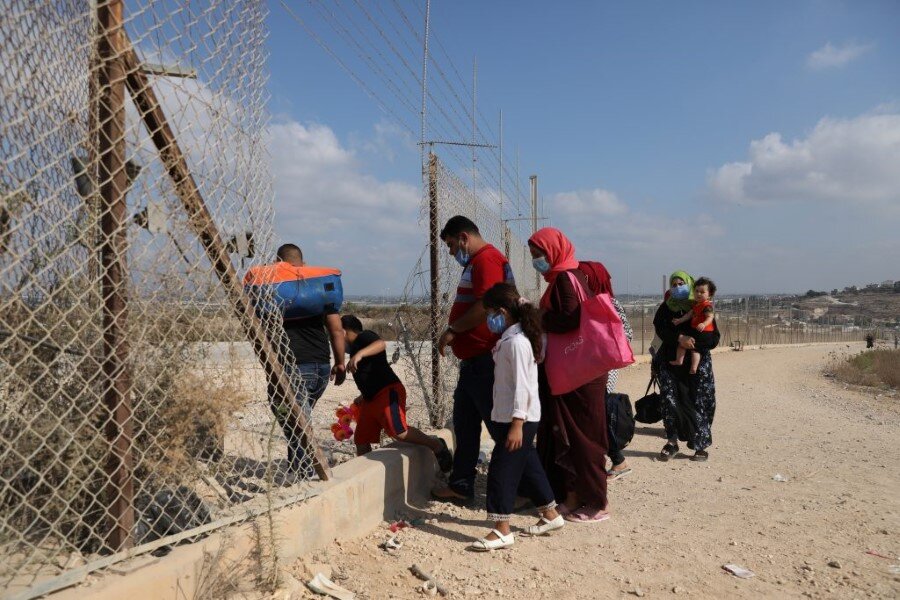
{"x": 310, "y": 381}
{"x": 473, "y": 400}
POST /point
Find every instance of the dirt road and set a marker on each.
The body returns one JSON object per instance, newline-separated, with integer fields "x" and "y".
{"x": 675, "y": 524}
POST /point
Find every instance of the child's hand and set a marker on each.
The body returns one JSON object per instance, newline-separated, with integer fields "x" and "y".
{"x": 353, "y": 363}
{"x": 700, "y": 327}
{"x": 514, "y": 437}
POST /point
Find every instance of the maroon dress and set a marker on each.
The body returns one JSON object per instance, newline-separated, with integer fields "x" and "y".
{"x": 572, "y": 439}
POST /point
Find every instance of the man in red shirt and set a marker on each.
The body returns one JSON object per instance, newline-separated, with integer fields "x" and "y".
{"x": 468, "y": 336}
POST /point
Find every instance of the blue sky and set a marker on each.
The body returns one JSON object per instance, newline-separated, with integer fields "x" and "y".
{"x": 757, "y": 143}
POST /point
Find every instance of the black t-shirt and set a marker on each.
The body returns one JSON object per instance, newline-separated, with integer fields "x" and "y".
{"x": 373, "y": 373}
{"x": 308, "y": 339}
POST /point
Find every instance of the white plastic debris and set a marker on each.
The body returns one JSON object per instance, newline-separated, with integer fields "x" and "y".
{"x": 739, "y": 571}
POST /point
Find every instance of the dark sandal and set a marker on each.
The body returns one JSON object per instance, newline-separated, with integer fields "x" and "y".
{"x": 700, "y": 456}
{"x": 668, "y": 451}
{"x": 453, "y": 498}
{"x": 444, "y": 457}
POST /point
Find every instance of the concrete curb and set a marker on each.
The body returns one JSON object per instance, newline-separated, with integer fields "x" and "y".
{"x": 364, "y": 492}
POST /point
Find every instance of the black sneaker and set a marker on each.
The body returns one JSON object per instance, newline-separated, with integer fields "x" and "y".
{"x": 444, "y": 457}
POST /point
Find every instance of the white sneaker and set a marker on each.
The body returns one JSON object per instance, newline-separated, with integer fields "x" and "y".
{"x": 545, "y": 526}
{"x": 486, "y": 545}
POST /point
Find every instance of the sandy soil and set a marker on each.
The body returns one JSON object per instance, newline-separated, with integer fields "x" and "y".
{"x": 675, "y": 524}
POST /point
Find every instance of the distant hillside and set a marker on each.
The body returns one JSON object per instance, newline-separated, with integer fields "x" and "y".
{"x": 873, "y": 308}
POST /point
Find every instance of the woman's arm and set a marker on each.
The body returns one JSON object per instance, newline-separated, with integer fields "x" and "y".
{"x": 662, "y": 324}
{"x": 565, "y": 312}
{"x": 684, "y": 319}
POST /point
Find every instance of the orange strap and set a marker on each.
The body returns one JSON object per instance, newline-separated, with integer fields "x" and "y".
{"x": 283, "y": 271}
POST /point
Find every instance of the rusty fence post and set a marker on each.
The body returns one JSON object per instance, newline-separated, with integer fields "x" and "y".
{"x": 113, "y": 247}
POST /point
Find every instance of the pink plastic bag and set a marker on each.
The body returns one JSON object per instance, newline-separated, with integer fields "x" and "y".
{"x": 596, "y": 347}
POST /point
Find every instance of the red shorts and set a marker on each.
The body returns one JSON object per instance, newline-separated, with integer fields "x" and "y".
{"x": 387, "y": 411}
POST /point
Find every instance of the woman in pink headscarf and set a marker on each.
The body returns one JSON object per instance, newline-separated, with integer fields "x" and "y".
{"x": 572, "y": 438}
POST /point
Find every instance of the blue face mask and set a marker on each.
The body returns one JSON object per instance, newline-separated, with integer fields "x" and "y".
{"x": 461, "y": 257}
{"x": 540, "y": 264}
{"x": 496, "y": 323}
{"x": 681, "y": 292}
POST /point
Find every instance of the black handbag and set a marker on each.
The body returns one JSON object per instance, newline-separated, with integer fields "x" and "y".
{"x": 619, "y": 420}
{"x": 649, "y": 408}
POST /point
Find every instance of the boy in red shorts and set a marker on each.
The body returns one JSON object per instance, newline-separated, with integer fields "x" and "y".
{"x": 382, "y": 400}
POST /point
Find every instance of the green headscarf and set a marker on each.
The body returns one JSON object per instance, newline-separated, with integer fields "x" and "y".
{"x": 680, "y": 305}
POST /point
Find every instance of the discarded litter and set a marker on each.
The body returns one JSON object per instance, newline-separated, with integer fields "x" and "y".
{"x": 739, "y": 571}
{"x": 429, "y": 588}
{"x": 873, "y": 553}
{"x": 392, "y": 545}
{"x": 779, "y": 477}
{"x": 322, "y": 585}
{"x": 428, "y": 578}
{"x": 398, "y": 525}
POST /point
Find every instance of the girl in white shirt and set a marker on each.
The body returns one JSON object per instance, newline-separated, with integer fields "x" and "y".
{"x": 515, "y": 466}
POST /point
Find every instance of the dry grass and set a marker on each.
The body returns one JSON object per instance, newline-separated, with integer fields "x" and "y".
{"x": 874, "y": 368}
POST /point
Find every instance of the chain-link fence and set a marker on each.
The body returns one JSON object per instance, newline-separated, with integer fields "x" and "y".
{"x": 754, "y": 321}
{"x": 133, "y": 188}
{"x": 413, "y": 319}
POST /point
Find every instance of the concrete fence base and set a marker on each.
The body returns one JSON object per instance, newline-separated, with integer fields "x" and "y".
{"x": 364, "y": 492}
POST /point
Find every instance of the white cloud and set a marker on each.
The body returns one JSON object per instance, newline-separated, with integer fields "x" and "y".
{"x": 388, "y": 139}
{"x": 830, "y": 56}
{"x": 597, "y": 202}
{"x": 338, "y": 214}
{"x": 636, "y": 246}
{"x": 841, "y": 160}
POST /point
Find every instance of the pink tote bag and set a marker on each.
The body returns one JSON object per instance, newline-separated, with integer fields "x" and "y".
{"x": 598, "y": 345}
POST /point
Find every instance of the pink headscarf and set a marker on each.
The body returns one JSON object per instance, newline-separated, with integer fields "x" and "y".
{"x": 560, "y": 254}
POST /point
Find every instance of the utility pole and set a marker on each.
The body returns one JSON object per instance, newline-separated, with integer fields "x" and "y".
{"x": 474, "y": 132}
{"x": 424, "y": 89}
{"x": 435, "y": 312}
{"x": 504, "y": 229}
{"x": 534, "y": 192}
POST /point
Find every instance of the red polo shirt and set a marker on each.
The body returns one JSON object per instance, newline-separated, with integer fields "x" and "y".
{"x": 485, "y": 268}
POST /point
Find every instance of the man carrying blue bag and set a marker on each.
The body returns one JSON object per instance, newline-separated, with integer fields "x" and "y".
{"x": 309, "y": 302}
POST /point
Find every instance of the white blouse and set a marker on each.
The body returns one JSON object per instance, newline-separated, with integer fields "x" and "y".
{"x": 515, "y": 378}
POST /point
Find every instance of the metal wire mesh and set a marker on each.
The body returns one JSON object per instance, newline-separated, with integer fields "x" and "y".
{"x": 755, "y": 321}
{"x": 133, "y": 188}
{"x": 412, "y": 322}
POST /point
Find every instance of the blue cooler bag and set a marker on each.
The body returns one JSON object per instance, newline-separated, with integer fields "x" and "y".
{"x": 294, "y": 292}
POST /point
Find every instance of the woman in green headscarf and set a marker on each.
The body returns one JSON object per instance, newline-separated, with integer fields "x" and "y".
{"x": 679, "y": 281}
{"x": 688, "y": 402}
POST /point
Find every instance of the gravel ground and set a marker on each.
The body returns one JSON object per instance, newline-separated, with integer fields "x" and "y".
{"x": 675, "y": 524}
